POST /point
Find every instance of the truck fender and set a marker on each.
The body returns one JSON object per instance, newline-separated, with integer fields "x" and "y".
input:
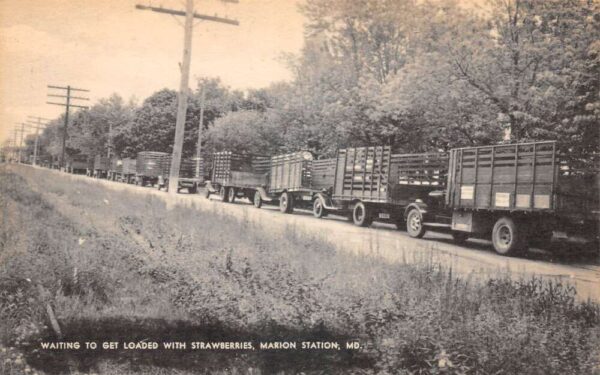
{"x": 210, "y": 187}
{"x": 263, "y": 194}
{"x": 326, "y": 199}
{"x": 421, "y": 206}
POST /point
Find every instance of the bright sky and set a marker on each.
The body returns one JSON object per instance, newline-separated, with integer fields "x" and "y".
{"x": 108, "y": 46}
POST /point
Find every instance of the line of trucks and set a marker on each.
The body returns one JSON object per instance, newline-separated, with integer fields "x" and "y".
{"x": 513, "y": 194}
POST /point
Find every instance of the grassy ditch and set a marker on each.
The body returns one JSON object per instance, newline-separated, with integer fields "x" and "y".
{"x": 120, "y": 266}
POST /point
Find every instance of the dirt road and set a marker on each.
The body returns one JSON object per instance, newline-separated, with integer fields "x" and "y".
{"x": 476, "y": 259}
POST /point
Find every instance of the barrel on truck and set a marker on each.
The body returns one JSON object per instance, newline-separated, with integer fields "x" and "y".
{"x": 512, "y": 194}
{"x": 371, "y": 183}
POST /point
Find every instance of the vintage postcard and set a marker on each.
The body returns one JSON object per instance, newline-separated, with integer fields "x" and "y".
{"x": 299, "y": 187}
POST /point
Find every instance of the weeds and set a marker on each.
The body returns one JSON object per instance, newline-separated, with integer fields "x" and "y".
{"x": 133, "y": 265}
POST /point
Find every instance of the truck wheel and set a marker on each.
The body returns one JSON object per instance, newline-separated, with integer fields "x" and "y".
{"x": 286, "y": 203}
{"x": 224, "y": 192}
{"x": 361, "y": 215}
{"x": 414, "y": 224}
{"x": 193, "y": 189}
{"x": 460, "y": 237}
{"x": 319, "y": 210}
{"x": 507, "y": 238}
{"x": 231, "y": 194}
{"x": 257, "y": 199}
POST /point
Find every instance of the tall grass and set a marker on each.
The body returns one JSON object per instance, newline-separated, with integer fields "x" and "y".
{"x": 124, "y": 261}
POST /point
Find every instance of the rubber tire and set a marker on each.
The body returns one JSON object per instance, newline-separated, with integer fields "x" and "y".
{"x": 286, "y": 203}
{"x": 231, "y": 195}
{"x": 224, "y": 192}
{"x": 460, "y": 237}
{"x": 508, "y": 239}
{"x": 362, "y": 221}
{"x": 414, "y": 224}
{"x": 319, "y": 210}
{"x": 257, "y": 201}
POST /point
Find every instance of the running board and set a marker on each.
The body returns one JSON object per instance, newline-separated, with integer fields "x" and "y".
{"x": 437, "y": 225}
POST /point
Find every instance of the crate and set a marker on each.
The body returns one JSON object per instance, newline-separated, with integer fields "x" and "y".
{"x": 152, "y": 164}
{"x": 291, "y": 172}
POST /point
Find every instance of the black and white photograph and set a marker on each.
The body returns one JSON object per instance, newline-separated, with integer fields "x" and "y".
{"x": 256, "y": 187}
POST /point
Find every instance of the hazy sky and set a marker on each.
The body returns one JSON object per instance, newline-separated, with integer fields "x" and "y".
{"x": 108, "y": 46}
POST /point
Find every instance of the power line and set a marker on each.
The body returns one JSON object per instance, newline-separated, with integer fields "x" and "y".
{"x": 37, "y": 135}
{"x": 67, "y": 106}
{"x": 189, "y": 15}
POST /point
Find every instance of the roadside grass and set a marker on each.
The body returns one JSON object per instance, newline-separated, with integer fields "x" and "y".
{"x": 122, "y": 265}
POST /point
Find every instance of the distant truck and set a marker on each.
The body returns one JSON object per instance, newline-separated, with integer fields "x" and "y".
{"x": 511, "y": 194}
{"x": 371, "y": 183}
{"x": 234, "y": 175}
{"x": 80, "y": 164}
{"x": 192, "y": 175}
{"x": 288, "y": 180}
{"x": 122, "y": 170}
{"x": 150, "y": 166}
{"x": 101, "y": 166}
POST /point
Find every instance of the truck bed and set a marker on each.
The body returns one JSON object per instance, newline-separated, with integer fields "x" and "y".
{"x": 374, "y": 174}
{"x": 291, "y": 172}
{"x": 526, "y": 177}
{"x": 232, "y": 169}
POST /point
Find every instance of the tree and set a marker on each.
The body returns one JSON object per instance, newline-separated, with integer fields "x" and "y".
{"x": 251, "y": 132}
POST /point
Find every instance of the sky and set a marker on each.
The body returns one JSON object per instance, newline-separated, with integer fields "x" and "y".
{"x": 108, "y": 46}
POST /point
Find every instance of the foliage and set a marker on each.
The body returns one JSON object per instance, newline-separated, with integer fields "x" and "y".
{"x": 158, "y": 265}
{"x": 416, "y": 75}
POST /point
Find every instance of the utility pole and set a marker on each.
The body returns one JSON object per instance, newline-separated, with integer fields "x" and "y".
{"x": 14, "y": 142}
{"x": 200, "y": 126}
{"x": 20, "y": 146}
{"x": 37, "y": 134}
{"x": 109, "y": 140}
{"x": 21, "y": 141}
{"x": 185, "y": 72}
{"x": 67, "y": 106}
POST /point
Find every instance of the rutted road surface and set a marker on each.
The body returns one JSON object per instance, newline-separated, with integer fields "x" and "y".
{"x": 476, "y": 259}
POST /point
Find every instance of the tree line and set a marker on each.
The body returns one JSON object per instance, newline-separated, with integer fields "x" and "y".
{"x": 416, "y": 75}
